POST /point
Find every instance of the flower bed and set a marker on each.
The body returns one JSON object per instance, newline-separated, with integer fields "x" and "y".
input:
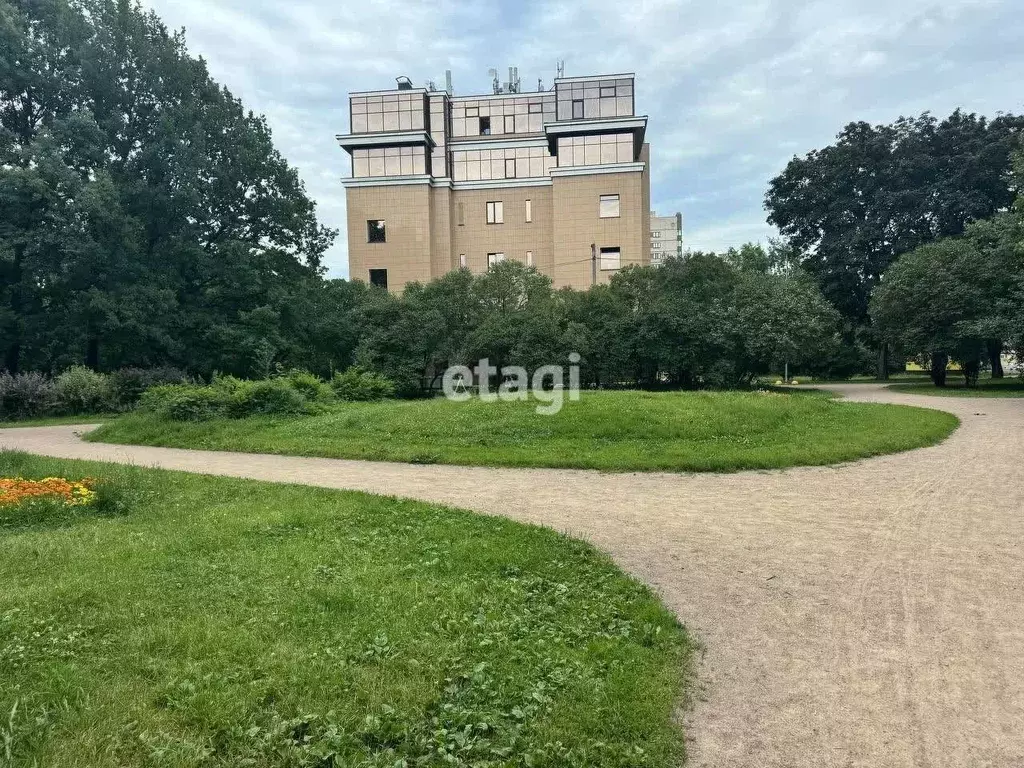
{"x": 15, "y": 491}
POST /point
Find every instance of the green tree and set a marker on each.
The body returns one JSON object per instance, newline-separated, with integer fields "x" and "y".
{"x": 881, "y": 191}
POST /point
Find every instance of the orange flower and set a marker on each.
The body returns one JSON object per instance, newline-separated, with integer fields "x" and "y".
{"x": 15, "y": 490}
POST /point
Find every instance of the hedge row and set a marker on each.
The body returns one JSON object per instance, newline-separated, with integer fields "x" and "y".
{"x": 292, "y": 393}
{"x": 79, "y": 390}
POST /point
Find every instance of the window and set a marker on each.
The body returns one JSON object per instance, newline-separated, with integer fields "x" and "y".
{"x": 494, "y": 258}
{"x": 510, "y": 169}
{"x": 609, "y": 207}
{"x": 485, "y": 126}
{"x": 536, "y": 106}
{"x": 607, "y": 90}
{"x": 510, "y": 124}
{"x": 529, "y": 211}
{"x": 462, "y": 215}
{"x": 529, "y": 258}
{"x": 375, "y": 232}
{"x": 609, "y": 259}
{"x": 577, "y": 109}
{"x": 496, "y": 213}
{"x": 462, "y": 261}
{"x": 379, "y": 278}
{"x": 472, "y": 111}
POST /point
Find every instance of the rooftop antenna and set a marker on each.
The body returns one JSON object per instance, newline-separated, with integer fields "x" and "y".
{"x": 448, "y": 81}
{"x": 495, "y": 85}
{"x": 540, "y": 85}
{"x": 560, "y": 67}
{"x": 431, "y": 85}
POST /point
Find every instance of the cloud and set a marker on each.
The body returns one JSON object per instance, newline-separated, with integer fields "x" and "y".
{"x": 733, "y": 90}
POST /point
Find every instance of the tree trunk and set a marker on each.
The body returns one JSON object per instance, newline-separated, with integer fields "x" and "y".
{"x": 92, "y": 354}
{"x": 995, "y": 356}
{"x": 939, "y": 362}
{"x": 883, "y": 362}
{"x": 971, "y": 369}
{"x": 12, "y": 355}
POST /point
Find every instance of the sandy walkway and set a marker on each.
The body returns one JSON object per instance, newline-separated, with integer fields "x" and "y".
{"x": 870, "y": 614}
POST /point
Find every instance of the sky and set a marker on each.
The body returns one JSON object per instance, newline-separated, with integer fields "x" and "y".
{"x": 733, "y": 90}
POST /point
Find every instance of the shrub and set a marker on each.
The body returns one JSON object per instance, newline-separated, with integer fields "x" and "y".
{"x": 265, "y": 397}
{"x": 25, "y": 395}
{"x": 82, "y": 390}
{"x": 184, "y": 402}
{"x": 359, "y": 384}
{"x": 128, "y": 384}
{"x": 311, "y": 387}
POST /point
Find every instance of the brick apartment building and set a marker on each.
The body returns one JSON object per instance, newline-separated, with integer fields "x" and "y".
{"x": 558, "y": 179}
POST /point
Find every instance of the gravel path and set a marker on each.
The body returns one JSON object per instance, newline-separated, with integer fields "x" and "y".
{"x": 867, "y": 614}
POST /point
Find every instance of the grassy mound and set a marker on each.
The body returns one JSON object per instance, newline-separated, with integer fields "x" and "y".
{"x": 221, "y": 622}
{"x": 614, "y": 431}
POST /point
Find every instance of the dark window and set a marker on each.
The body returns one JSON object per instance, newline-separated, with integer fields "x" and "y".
{"x": 577, "y": 109}
{"x": 510, "y": 169}
{"x": 485, "y": 126}
{"x": 375, "y": 231}
{"x": 379, "y": 278}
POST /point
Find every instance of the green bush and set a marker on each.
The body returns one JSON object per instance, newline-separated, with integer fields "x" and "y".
{"x": 357, "y": 384}
{"x": 25, "y": 395}
{"x": 128, "y": 384}
{"x": 184, "y": 402}
{"x": 82, "y": 390}
{"x": 311, "y": 387}
{"x": 270, "y": 396}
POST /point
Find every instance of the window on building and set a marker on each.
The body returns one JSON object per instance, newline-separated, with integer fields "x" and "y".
{"x": 529, "y": 211}
{"x": 462, "y": 215}
{"x": 609, "y": 207}
{"x": 577, "y": 109}
{"x": 485, "y": 126}
{"x": 510, "y": 124}
{"x": 510, "y": 169}
{"x": 462, "y": 261}
{"x": 607, "y": 90}
{"x": 536, "y": 106}
{"x": 472, "y": 111}
{"x": 609, "y": 259}
{"x": 375, "y": 232}
{"x": 494, "y": 258}
{"x": 496, "y": 212}
{"x": 379, "y": 278}
{"x": 529, "y": 258}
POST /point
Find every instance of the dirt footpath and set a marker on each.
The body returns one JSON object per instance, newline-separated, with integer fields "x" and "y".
{"x": 869, "y": 614}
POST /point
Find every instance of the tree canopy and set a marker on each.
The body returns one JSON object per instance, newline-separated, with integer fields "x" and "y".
{"x": 883, "y": 190}
{"x": 145, "y": 215}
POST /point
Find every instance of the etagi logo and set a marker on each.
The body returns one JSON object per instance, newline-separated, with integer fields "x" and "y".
{"x": 547, "y": 385}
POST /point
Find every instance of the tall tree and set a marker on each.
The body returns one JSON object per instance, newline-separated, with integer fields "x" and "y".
{"x": 881, "y": 191}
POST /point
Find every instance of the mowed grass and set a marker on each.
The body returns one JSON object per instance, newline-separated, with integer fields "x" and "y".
{"x": 1005, "y": 387}
{"x": 613, "y": 431}
{"x": 220, "y": 622}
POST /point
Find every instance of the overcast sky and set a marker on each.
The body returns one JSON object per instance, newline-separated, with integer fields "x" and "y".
{"x": 733, "y": 89}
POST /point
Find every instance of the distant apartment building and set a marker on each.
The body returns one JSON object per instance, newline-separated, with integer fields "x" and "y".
{"x": 666, "y": 237}
{"x": 558, "y": 179}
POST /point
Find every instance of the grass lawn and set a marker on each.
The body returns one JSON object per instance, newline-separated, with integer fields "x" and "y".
{"x": 221, "y": 622}
{"x": 1006, "y": 387}
{"x": 614, "y": 431}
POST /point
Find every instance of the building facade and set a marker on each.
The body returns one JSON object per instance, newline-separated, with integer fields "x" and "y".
{"x": 666, "y": 237}
{"x": 557, "y": 179}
